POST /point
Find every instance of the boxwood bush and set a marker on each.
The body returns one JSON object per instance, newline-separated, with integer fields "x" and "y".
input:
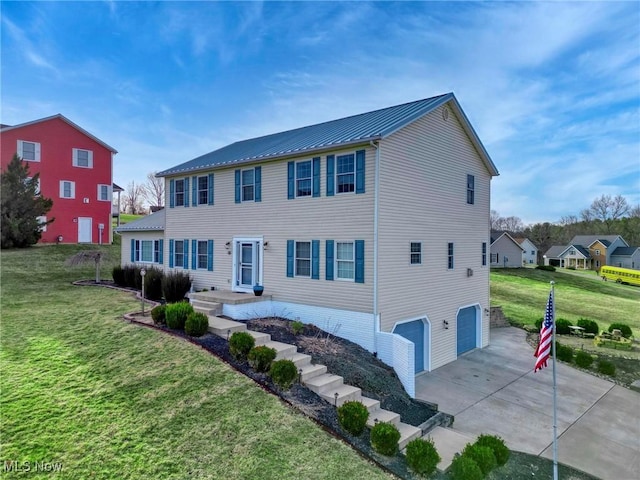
{"x": 283, "y": 373}
{"x": 583, "y": 359}
{"x": 353, "y": 417}
{"x": 464, "y": 468}
{"x": 589, "y": 326}
{"x": 158, "y": 314}
{"x": 260, "y": 358}
{"x": 197, "y": 324}
{"x": 240, "y": 344}
{"x": 422, "y": 456}
{"x": 384, "y": 438}
{"x": 562, "y": 326}
{"x": 176, "y": 314}
{"x": 607, "y": 368}
{"x": 496, "y": 444}
{"x": 623, "y": 327}
{"x": 482, "y": 455}
{"x": 564, "y": 353}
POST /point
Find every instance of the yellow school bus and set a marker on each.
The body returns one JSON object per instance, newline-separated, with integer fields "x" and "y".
{"x": 620, "y": 275}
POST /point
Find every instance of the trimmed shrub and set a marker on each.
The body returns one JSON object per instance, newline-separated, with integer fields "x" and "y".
{"x": 384, "y": 438}
{"x": 571, "y": 268}
{"x": 153, "y": 284}
{"x": 283, "y": 373}
{"x": 482, "y": 455}
{"x": 240, "y": 344}
{"x": 422, "y": 456}
{"x": 158, "y": 315}
{"x": 564, "y": 353}
{"x": 562, "y": 326}
{"x": 606, "y": 368}
{"x": 197, "y": 324}
{"x": 176, "y": 314}
{"x": 118, "y": 276}
{"x": 623, "y": 327}
{"x": 132, "y": 277}
{"x": 548, "y": 268}
{"x": 464, "y": 468}
{"x": 583, "y": 359}
{"x": 297, "y": 327}
{"x": 539, "y": 323}
{"x": 260, "y": 358}
{"x": 496, "y": 444}
{"x": 589, "y": 326}
{"x": 353, "y": 417}
{"x": 175, "y": 286}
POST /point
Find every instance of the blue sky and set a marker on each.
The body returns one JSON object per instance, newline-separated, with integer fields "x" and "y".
{"x": 552, "y": 89}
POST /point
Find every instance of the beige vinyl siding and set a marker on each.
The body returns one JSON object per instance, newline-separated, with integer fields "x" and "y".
{"x": 277, "y": 219}
{"x": 423, "y": 177}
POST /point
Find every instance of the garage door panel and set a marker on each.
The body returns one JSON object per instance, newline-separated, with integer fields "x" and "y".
{"x": 466, "y": 322}
{"x": 414, "y": 332}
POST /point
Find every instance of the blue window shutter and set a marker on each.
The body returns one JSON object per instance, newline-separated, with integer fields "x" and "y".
{"x": 329, "y": 261}
{"x": 238, "y": 186}
{"x": 160, "y": 251}
{"x": 210, "y": 255}
{"x": 360, "y": 162}
{"x": 133, "y": 250}
{"x": 171, "y": 253}
{"x": 194, "y": 254}
{"x": 172, "y": 193}
{"x": 331, "y": 177}
{"x": 258, "y": 183}
{"x": 186, "y": 192}
{"x": 291, "y": 180}
{"x": 316, "y": 176}
{"x": 210, "y": 185}
{"x": 194, "y": 191}
{"x": 290, "y": 246}
{"x": 185, "y": 257}
{"x": 359, "y": 261}
{"x": 315, "y": 259}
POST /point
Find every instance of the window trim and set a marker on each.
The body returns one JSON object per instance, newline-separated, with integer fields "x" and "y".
{"x": 298, "y": 179}
{"x": 176, "y": 193}
{"x": 471, "y": 189}
{"x": 200, "y": 255}
{"x": 252, "y": 185}
{"x": 450, "y": 255}
{"x": 177, "y": 264}
{"x": 337, "y": 187}
{"x": 72, "y": 189}
{"x": 200, "y": 191}
{"x": 108, "y": 187}
{"x": 484, "y": 254}
{"x": 296, "y": 258}
{"x": 352, "y": 261}
{"x": 412, "y": 253}
{"x": 75, "y": 159}
{"x": 36, "y": 153}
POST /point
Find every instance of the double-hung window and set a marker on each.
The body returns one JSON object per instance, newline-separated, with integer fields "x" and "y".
{"x": 104, "y": 193}
{"x": 345, "y": 261}
{"x": 203, "y": 190}
{"x": 179, "y": 194}
{"x": 156, "y": 251}
{"x": 484, "y": 254}
{"x": 303, "y": 178}
{"x": 146, "y": 251}
{"x": 346, "y": 173}
{"x": 416, "y": 253}
{"x": 450, "y": 256}
{"x": 29, "y": 151}
{"x": 67, "y": 189}
{"x": 178, "y": 253}
{"x": 202, "y": 254}
{"x": 248, "y": 185}
{"x": 303, "y": 259}
{"x": 82, "y": 158}
{"x": 494, "y": 258}
{"x": 471, "y": 188}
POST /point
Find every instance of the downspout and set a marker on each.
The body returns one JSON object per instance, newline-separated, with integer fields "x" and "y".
{"x": 376, "y": 203}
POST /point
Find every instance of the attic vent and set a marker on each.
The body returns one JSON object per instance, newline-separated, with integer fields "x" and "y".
{"x": 469, "y": 272}
{"x": 445, "y": 113}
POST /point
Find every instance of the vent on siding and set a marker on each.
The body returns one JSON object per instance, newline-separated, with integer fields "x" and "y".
{"x": 445, "y": 114}
{"x": 469, "y": 272}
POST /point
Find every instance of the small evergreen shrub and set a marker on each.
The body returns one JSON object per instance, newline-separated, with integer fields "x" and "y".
{"x": 564, "y": 353}
{"x": 589, "y": 326}
{"x": 606, "y": 368}
{"x": 197, "y": 324}
{"x": 153, "y": 284}
{"x": 297, "y": 327}
{"x": 482, "y": 455}
{"x": 583, "y": 359}
{"x": 422, "y": 456}
{"x": 562, "y": 326}
{"x": 283, "y": 373}
{"x": 548, "y": 268}
{"x": 118, "y": 276}
{"x": 176, "y": 314}
{"x": 623, "y": 327}
{"x": 384, "y": 438}
{"x": 240, "y": 344}
{"x": 353, "y": 417}
{"x": 496, "y": 444}
{"x": 175, "y": 286}
{"x": 571, "y": 268}
{"x": 158, "y": 315}
{"x": 260, "y": 358}
{"x": 464, "y": 468}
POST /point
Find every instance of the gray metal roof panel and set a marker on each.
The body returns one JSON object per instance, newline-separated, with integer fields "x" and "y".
{"x": 624, "y": 251}
{"x": 153, "y": 222}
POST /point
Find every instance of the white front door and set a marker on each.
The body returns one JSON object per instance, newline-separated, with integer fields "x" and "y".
{"x": 84, "y": 229}
{"x": 247, "y": 264}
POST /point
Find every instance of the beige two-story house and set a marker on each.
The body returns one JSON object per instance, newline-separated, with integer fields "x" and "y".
{"x": 373, "y": 227}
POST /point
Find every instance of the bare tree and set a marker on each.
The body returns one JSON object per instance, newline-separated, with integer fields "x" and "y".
{"x": 132, "y": 198}
{"x": 512, "y": 224}
{"x": 635, "y": 212}
{"x": 494, "y": 219}
{"x": 153, "y": 190}
{"x": 608, "y": 209}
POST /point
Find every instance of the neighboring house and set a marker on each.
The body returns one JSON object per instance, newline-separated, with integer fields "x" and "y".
{"x": 506, "y": 252}
{"x": 626, "y": 257}
{"x": 76, "y": 172}
{"x": 530, "y": 253}
{"x": 585, "y": 252}
{"x": 144, "y": 240}
{"x": 373, "y": 227}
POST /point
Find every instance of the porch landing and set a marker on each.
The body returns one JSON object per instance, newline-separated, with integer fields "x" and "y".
{"x": 228, "y": 297}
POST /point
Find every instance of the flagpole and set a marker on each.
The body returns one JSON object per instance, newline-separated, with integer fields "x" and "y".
{"x": 555, "y": 410}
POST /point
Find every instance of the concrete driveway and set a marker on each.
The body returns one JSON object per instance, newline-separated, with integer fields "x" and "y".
{"x": 495, "y": 391}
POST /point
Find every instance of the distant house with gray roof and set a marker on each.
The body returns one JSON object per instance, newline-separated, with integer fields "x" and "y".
{"x": 590, "y": 252}
{"x": 626, "y": 257}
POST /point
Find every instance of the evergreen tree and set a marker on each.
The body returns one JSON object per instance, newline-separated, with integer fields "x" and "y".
{"x": 21, "y": 205}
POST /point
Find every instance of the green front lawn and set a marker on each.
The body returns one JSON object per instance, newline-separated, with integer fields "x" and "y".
{"x": 108, "y": 399}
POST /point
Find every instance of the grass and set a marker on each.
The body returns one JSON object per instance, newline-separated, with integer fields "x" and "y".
{"x": 127, "y": 217}
{"x": 522, "y": 293}
{"x": 109, "y": 399}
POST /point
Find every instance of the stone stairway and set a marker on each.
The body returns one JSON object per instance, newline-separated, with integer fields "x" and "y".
{"x": 315, "y": 377}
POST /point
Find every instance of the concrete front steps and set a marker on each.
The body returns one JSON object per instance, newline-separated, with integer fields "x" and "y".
{"x": 329, "y": 387}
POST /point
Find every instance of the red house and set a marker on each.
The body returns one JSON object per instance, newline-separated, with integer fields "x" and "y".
{"x": 76, "y": 172}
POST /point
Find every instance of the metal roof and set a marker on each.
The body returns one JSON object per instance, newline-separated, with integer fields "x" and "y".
{"x": 357, "y": 129}
{"x": 624, "y": 251}
{"x": 555, "y": 251}
{"x": 588, "y": 240}
{"x": 153, "y": 222}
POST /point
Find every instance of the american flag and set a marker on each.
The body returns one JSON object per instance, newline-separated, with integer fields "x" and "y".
{"x": 546, "y": 332}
